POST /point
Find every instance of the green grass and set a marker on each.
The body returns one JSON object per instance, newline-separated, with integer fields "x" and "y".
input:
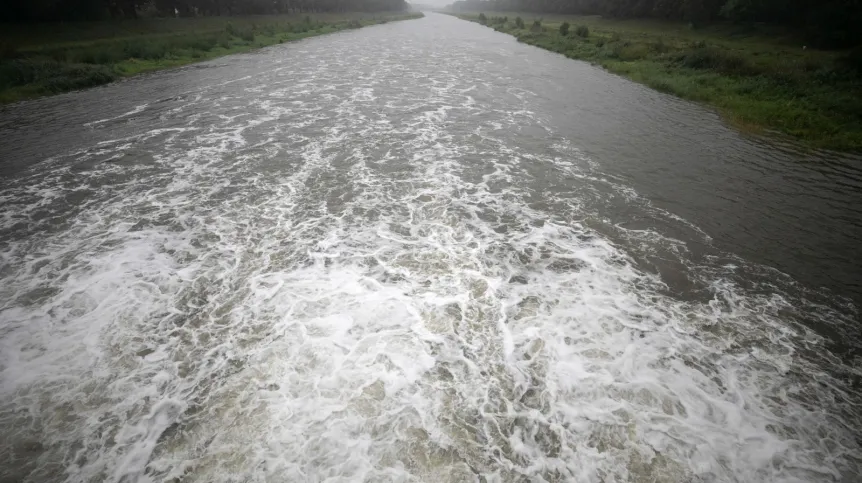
{"x": 40, "y": 60}
{"x": 760, "y": 81}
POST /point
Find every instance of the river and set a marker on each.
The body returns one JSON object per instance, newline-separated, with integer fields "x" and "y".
{"x": 420, "y": 251}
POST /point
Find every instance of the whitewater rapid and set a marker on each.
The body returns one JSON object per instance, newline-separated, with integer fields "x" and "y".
{"x": 374, "y": 259}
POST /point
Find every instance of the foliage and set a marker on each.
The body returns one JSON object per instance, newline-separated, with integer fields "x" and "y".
{"x": 715, "y": 59}
{"x": 483, "y": 19}
{"x": 756, "y": 82}
{"x": 822, "y": 23}
{"x": 564, "y": 28}
{"x": 537, "y": 26}
{"x": 582, "y": 31}
{"x": 65, "y": 10}
{"x": 53, "y": 58}
{"x": 52, "y": 76}
{"x": 519, "y": 22}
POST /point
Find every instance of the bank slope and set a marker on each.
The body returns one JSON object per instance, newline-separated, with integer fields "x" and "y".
{"x": 39, "y": 60}
{"x": 758, "y": 83}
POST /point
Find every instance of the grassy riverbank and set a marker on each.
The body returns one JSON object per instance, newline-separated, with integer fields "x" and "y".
{"x": 38, "y": 60}
{"x": 759, "y": 81}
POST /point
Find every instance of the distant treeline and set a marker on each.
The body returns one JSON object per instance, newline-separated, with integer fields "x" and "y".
{"x": 52, "y": 10}
{"x": 827, "y": 23}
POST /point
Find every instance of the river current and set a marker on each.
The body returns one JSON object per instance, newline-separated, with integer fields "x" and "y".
{"x": 420, "y": 251}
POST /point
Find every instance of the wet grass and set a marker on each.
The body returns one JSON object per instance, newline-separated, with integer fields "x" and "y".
{"x": 48, "y": 59}
{"x": 760, "y": 81}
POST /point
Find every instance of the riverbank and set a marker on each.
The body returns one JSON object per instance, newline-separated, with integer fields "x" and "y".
{"x": 759, "y": 82}
{"x": 39, "y": 60}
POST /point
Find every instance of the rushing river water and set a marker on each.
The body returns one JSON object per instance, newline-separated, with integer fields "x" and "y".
{"x": 419, "y": 252}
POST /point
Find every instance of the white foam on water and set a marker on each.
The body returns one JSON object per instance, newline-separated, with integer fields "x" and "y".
{"x": 136, "y": 110}
{"x": 335, "y": 288}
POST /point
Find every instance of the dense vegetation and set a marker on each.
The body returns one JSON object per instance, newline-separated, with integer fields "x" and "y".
{"x": 52, "y": 10}
{"x": 51, "y": 46}
{"x": 823, "y": 23}
{"x": 758, "y": 81}
{"x": 48, "y": 58}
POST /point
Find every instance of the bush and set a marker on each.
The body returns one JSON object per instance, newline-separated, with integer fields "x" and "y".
{"x": 582, "y": 31}
{"x": 629, "y": 52}
{"x": 853, "y": 60}
{"x": 564, "y": 28}
{"x": 79, "y": 76}
{"x": 714, "y": 59}
{"x": 537, "y": 26}
{"x": 104, "y": 53}
{"x": 354, "y": 24}
{"x": 659, "y": 47}
{"x": 483, "y": 19}
{"x": 246, "y": 34}
{"x": 519, "y": 22}
{"x": 144, "y": 49}
{"x": 8, "y": 51}
{"x": 202, "y": 43}
{"x": 51, "y": 76}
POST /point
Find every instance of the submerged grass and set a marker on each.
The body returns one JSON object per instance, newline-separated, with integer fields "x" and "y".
{"x": 760, "y": 82}
{"x": 48, "y": 59}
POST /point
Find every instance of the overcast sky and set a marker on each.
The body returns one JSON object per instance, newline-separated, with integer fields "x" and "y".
{"x": 434, "y": 3}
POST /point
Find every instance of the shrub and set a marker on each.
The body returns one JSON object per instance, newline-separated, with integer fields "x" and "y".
{"x": 104, "y": 53}
{"x": 853, "y": 60}
{"x": 629, "y": 52}
{"x": 537, "y": 26}
{"x": 354, "y": 24}
{"x": 714, "y": 59}
{"x": 519, "y": 22}
{"x": 246, "y": 34}
{"x": 202, "y": 43}
{"x": 564, "y": 28}
{"x": 659, "y": 47}
{"x": 144, "y": 49}
{"x": 78, "y": 76}
{"x": 483, "y": 19}
{"x": 582, "y": 31}
{"x": 53, "y": 76}
{"x": 8, "y": 51}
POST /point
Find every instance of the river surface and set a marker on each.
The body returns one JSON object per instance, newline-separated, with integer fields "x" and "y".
{"x": 420, "y": 251}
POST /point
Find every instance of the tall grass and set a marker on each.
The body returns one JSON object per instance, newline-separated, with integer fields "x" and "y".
{"x": 62, "y": 62}
{"x": 757, "y": 82}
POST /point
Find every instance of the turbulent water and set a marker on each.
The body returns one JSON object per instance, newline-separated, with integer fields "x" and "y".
{"x": 403, "y": 254}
